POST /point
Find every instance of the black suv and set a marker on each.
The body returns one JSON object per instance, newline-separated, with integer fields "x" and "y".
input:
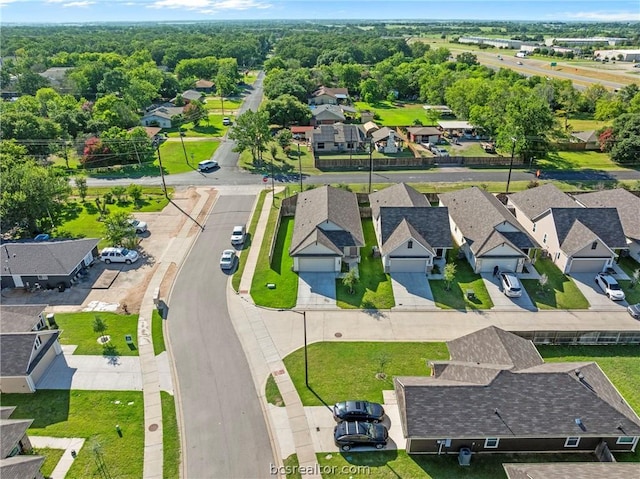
{"x": 358, "y": 411}
{"x": 348, "y": 434}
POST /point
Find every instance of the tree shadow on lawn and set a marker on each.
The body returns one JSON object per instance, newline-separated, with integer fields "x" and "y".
{"x": 278, "y": 250}
{"x": 72, "y": 210}
{"x": 45, "y": 407}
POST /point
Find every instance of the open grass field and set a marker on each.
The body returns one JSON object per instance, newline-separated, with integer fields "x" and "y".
{"x": 373, "y": 290}
{"x": 283, "y": 164}
{"x": 212, "y": 128}
{"x": 560, "y": 292}
{"x": 578, "y": 160}
{"x": 77, "y": 328}
{"x": 230, "y": 104}
{"x": 91, "y": 415}
{"x": 584, "y": 122}
{"x": 394, "y": 114}
{"x": 173, "y": 155}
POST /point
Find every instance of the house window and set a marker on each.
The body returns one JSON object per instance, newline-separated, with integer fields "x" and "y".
{"x": 572, "y": 442}
{"x": 349, "y": 146}
{"x": 37, "y": 343}
{"x": 626, "y": 440}
{"x": 544, "y": 238}
{"x": 534, "y": 227}
{"x": 410, "y": 244}
{"x": 491, "y": 443}
{"x": 320, "y": 146}
{"x": 594, "y": 245}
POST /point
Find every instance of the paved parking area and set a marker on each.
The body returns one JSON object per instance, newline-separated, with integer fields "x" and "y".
{"x": 412, "y": 291}
{"x": 586, "y": 283}
{"x": 316, "y": 290}
{"x": 501, "y": 301}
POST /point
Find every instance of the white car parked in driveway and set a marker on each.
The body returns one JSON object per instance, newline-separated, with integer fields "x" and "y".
{"x": 610, "y": 286}
{"x": 119, "y": 255}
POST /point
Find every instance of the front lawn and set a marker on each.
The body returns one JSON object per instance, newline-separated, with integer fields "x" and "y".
{"x": 629, "y": 265}
{"x": 173, "y": 156}
{"x": 92, "y": 415}
{"x": 577, "y": 160}
{"x": 465, "y": 279}
{"x": 394, "y": 114}
{"x": 77, "y": 328}
{"x": 559, "y": 293}
{"x": 279, "y": 270}
{"x": 52, "y": 457}
{"x": 230, "y": 104}
{"x": 237, "y": 276}
{"x": 373, "y": 290}
{"x": 339, "y": 370}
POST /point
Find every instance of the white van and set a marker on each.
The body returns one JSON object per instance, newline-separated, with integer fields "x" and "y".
{"x": 207, "y": 165}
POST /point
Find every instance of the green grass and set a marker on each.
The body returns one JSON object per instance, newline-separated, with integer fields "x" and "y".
{"x": 283, "y": 163}
{"x": 578, "y": 160}
{"x": 157, "y": 334}
{"x": 629, "y": 265}
{"x": 456, "y": 297}
{"x": 170, "y": 438}
{"x": 92, "y": 415}
{"x": 230, "y": 104}
{"x": 251, "y": 231}
{"x": 173, "y": 158}
{"x": 272, "y": 392}
{"x": 373, "y": 290}
{"x": 278, "y": 271}
{"x": 585, "y": 122}
{"x": 560, "y": 292}
{"x": 338, "y": 370}
{"x": 291, "y": 465}
{"x": 52, "y": 456}
{"x": 394, "y": 114}
{"x": 77, "y": 328}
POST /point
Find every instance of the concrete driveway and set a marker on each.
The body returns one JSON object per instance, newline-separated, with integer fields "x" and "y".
{"x": 586, "y": 283}
{"x": 316, "y": 290}
{"x": 501, "y": 301}
{"x": 97, "y": 373}
{"x": 412, "y": 291}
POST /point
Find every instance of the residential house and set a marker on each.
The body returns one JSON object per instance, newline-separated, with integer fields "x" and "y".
{"x": 192, "y": 95}
{"x": 301, "y": 132}
{"x": 22, "y": 318}
{"x": 327, "y": 231}
{"x": 336, "y": 138}
{"x": 204, "y": 86}
{"x": 424, "y": 134}
{"x": 326, "y": 115}
{"x": 457, "y": 128}
{"x": 386, "y": 140}
{"x": 578, "y": 240}
{"x": 411, "y": 234}
{"x": 16, "y": 458}
{"x": 628, "y": 206}
{"x": 153, "y": 132}
{"x": 161, "y": 116}
{"x": 587, "y": 138}
{"x": 487, "y": 233}
{"x": 48, "y": 264}
{"x": 443, "y": 110}
{"x": 496, "y": 394}
{"x": 329, "y": 96}
{"x": 571, "y": 470}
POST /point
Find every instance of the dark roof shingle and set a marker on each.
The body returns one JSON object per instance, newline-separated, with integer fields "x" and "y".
{"x": 19, "y": 318}
{"x": 535, "y": 201}
{"x": 627, "y": 204}
{"x": 52, "y": 258}
{"x": 428, "y": 225}
{"x": 577, "y": 227}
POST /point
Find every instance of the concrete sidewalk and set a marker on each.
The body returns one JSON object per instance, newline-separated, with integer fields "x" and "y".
{"x": 68, "y": 444}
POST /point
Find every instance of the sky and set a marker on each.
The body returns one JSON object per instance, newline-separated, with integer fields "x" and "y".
{"x": 74, "y": 11}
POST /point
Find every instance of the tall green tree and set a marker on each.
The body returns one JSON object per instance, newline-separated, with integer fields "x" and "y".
{"x": 117, "y": 229}
{"x": 251, "y": 132}
{"x": 286, "y": 109}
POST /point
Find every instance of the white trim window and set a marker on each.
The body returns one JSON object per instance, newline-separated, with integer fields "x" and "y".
{"x": 534, "y": 227}
{"x": 544, "y": 238}
{"x": 626, "y": 440}
{"x": 572, "y": 441}
{"x": 37, "y": 343}
{"x": 491, "y": 443}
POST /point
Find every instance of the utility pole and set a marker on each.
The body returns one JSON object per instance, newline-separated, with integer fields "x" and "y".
{"x": 184, "y": 150}
{"x": 273, "y": 181}
{"x": 370, "y": 161}
{"x": 513, "y": 150}
{"x": 300, "y": 165}
{"x": 164, "y": 185}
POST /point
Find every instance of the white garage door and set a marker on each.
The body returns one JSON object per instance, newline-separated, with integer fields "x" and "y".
{"x": 407, "y": 265}
{"x": 505, "y": 264}
{"x": 316, "y": 264}
{"x": 587, "y": 265}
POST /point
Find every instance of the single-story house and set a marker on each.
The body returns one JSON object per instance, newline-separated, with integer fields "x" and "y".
{"x": 329, "y": 96}
{"x": 56, "y": 75}
{"x": 327, "y": 230}
{"x": 458, "y": 128}
{"x": 571, "y": 470}
{"x": 153, "y": 132}
{"x": 577, "y": 239}
{"x": 411, "y": 233}
{"x": 336, "y": 138}
{"x": 22, "y": 318}
{"x": 47, "y": 264}
{"x": 192, "y": 95}
{"x": 387, "y": 140}
{"x": 424, "y": 134}
{"x": 326, "y": 114}
{"x": 301, "y": 132}
{"x": 444, "y": 110}
{"x": 204, "y": 86}
{"x": 628, "y": 206}
{"x": 487, "y": 233}
{"x": 588, "y": 138}
{"x": 161, "y": 116}
{"x": 496, "y": 394}
{"x": 16, "y": 458}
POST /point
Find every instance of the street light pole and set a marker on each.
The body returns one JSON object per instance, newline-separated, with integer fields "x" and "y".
{"x": 513, "y": 150}
{"x": 306, "y": 357}
{"x": 300, "y": 165}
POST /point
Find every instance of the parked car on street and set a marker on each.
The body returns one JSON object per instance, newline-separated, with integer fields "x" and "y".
{"x": 226, "y": 121}
{"x": 610, "y": 286}
{"x": 207, "y": 165}
{"x": 238, "y": 235}
{"x": 139, "y": 226}
{"x": 228, "y": 259}
{"x": 634, "y": 310}
{"x": 358, "y": 411}
{"x": 118, "y": 255}
{"x": 510, "y": 285}
{"x": 348, "y": 434}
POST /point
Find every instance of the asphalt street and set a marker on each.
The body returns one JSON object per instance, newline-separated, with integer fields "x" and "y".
{"x": 224, "y": 430}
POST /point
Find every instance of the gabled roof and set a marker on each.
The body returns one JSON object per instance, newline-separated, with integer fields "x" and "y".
{"x": 166, "y": 112}
{"x": 383, "y": 133}
{"x": 477, "y": 214}
{"x": 399, "y": 194}
{"x": 589, "y": 136}
{"x": 19, "y": 318}
{"x": 493, "y": 345}
{"x": 424, "y": 131}
{"x": 370, "y": 126}
{"x": 327, "y": 204}
{"x": 627, "y": 204}
{"x": 11, "y": 431}
{"x": 428, "y": 226}
{"x": 204, "y": 84}
{"x": 571, "y": 470}
{"x": 17, "y": 357}
{"x": 6, "y": 411}
{"x": 328, "y": 110}
{"x": 337, "y": 133}
{"x": 455, "y": 125}
{"x": 535, "y": 201}
{"x": 19, "y": 467}
{"x": 578, "y": 227}
{"x": 192, "y": 95}
{"x": 52, "y": 258}
{"x": 334, "y": 92}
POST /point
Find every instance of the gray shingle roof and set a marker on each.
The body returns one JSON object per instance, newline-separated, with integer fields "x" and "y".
{"x": 627, "y": 204}
{"x": 11, "y": 431}
{"x": 334, "y": 92}
{"x": 383, "y": 133}
{"x": 572, "y": 470}
{"x": 52, "y": 258}
{"x": 429, "y": 226}
{"x": 399, "y": 194}
{"x": 166, "y": 112}
{"x": 328, "y": 110}
{"x": 19, "y": 318}
{"x": 477, "y": 213}
{"x": 327, "y": 204}
{"x": 424, "y": 131}
{"x": 6, "y": 411}
{"x": 337, "y": 133}
{"x": 192, "y": 95}
{"x": 16, "y": 351}
{"x": 588, "y": 136}
{"x": 535, "y": 201}
{"x": 577, "y": 227}
{"x": 21, "y": 467}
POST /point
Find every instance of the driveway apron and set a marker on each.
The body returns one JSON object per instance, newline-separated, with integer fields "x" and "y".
{"x": 501, "y": 301}
{"x": 316, "y": 290}
{"x": 586, "y": 283}
{"x": 412, "y": 291}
